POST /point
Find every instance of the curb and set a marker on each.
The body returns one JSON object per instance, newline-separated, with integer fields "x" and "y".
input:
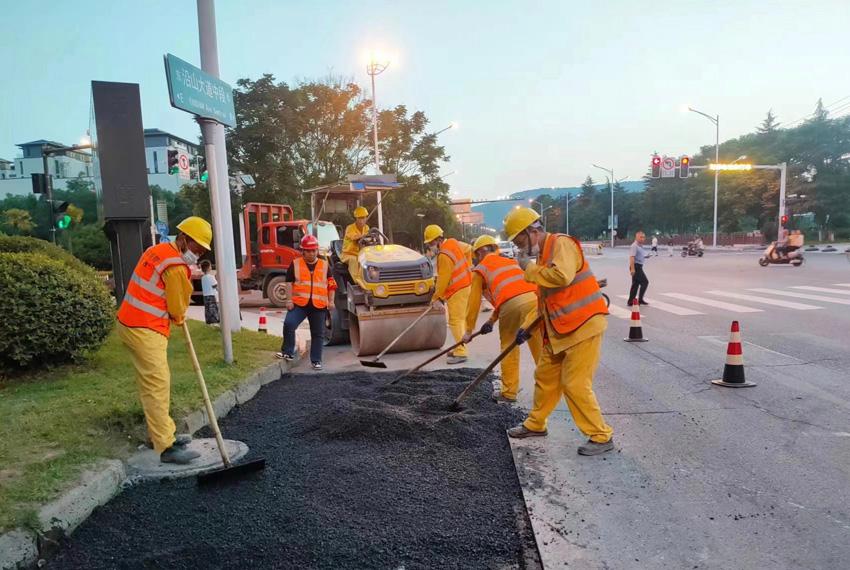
{"x": 23, "y": 548}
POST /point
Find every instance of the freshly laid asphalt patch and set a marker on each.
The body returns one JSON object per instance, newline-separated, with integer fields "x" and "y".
{"x": 359, "y": 474}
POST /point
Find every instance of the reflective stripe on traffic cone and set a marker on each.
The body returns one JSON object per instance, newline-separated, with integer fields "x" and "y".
{"x": 635, "y": 330}
{"x": 262, "y": 326}
{"x": 733, "y": 372}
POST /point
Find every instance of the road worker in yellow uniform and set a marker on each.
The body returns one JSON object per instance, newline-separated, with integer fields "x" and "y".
{"x": 573, "y": 310}
{"x": 454, "y": 276}
{"x": 513, "y": 298}
{"x": 351, "y": 242}
{"x": 158, "y": 295}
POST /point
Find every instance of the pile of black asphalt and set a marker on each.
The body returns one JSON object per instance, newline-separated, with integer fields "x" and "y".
{"x": 360, "y": 474}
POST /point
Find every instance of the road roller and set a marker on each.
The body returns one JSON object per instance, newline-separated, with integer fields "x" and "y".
{"x": 392, "y": 289}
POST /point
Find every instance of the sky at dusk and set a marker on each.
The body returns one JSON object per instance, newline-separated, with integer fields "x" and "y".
{"x": 541, "y": 90}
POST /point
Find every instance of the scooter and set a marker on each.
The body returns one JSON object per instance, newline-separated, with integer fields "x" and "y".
{"x": 692, "y": 249}
{"x": 604, "y": 283}
{"x": 792, "y": 255}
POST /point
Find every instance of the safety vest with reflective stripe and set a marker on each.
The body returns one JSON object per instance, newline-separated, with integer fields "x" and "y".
{"x": 461, "y": 270}
{"x": 503, "y": 278}
{"x": 144, "y": 302}
{"x": 309, "y": 284}
{"x": 570, "y": 307}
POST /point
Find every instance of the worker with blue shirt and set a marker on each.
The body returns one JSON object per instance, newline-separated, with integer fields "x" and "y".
{"x": 637, "y": 257}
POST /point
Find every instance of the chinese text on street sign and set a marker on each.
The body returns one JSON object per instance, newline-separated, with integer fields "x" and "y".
{"x": 194, "y": 91}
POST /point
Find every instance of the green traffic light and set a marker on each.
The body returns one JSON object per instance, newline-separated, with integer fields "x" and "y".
{"x": 205, "y": 176}
{"x": 64, "y": 222}
{"x": 174, "y": 170}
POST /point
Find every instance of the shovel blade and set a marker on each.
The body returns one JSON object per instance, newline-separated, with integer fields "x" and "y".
{"x": 373, "y": 363}
{"x": 230, "y": 473}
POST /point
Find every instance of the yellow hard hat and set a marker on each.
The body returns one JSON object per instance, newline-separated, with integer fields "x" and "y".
{"x": 482, "y": 241}
{"x": 517, "y": 220}
{"x": 361, "y": 212}
{"x": 198, "y": 229}
{"x": 432, "y": 232}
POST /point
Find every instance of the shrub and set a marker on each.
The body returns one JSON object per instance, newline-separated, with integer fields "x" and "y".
{"x": 55, "y": 309}
{"x": 20, "y": 244}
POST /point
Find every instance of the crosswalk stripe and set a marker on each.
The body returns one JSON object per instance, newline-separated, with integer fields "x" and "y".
{"x": 620, "y": 312}
{"x": 713, "y": 303}
{"x": 821, "y": 289}
{"x": 675, "y": 309}
{"x": 765, "y": 300}
{"x": 801, "y": 295}
{"x": 842, "y": 284}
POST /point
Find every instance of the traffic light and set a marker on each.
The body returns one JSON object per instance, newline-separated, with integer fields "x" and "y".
{"x": 684, "y": 166}
{"x": 656, "y": 166}
{"x": 61, "y": 216}
{"x": 203, "y": 175}
{"x": 173, "y": 162}
{"x": 784, "y": 220}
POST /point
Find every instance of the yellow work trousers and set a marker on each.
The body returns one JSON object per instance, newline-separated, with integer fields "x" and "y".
{"x": 353, "y": 267}
{"x": 149, "y": 353}
{"x": 456, "y": 306}
{"x": 569, "y": 373}
{"x": 512, "y": 314}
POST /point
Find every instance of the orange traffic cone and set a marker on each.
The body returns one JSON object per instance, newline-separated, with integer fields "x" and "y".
{"x": 635, "y": 330}
{"x": 262, "y": 328}
{"x": 733, "y": 372}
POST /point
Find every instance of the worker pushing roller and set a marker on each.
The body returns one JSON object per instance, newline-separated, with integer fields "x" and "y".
{"x": 158, "y": 294}
{"x": 351, "y": 242}
{"x": 454, "y": 277}
{"x": 573, "y": 309}
{"x": 501, "y": 280}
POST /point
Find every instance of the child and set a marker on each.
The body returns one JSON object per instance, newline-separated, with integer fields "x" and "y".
{"x": 209, "y": 287}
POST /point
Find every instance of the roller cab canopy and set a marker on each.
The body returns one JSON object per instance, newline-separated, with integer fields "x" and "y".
{"x": 342, "y": 197}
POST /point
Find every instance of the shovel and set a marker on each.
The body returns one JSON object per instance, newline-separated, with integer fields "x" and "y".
{"x": 376, "y": 362}
{"x": 229, "y": 470}
{"x": 435, "y": 357}
{"x": 474, "y": 384}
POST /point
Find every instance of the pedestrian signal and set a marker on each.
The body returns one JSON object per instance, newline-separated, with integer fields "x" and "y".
{"x": 656, "y": 166}
{"x": 61, "y": 216}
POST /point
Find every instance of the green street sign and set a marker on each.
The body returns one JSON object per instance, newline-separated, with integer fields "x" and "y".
{"x": 199, "y": 93}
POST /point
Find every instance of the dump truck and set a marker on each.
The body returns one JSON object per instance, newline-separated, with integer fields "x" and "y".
{"x": 394, "y": 285}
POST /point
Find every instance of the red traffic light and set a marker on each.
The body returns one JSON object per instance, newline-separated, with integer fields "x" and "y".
{"x": 656, "y": 166}
{"x": 656, "y": 160}
{"x": 784, "y": 220}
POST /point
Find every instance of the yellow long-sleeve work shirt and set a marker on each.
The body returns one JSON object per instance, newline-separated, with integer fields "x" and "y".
{"x": 475, "y": 291}
{"x": 566, "y": 262}
{"x": 352, "y": 235}
{"x": 445, "y": 267}
{"x": 178, "y": 292}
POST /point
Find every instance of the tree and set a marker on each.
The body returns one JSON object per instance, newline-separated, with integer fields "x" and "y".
{"x": 769, "y": 125}
{"x": 18, "y": 222}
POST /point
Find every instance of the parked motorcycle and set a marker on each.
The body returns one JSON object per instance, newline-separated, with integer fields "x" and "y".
{"x": 790, "y": 254}
{"x": 692, "y": 249}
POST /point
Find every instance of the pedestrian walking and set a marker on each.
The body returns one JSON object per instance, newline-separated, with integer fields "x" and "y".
{"x": 454, "y": 276}
{"x": 158, "y": 294}
{"x": 500, "y": 279}
{"x": 637, "y": 257}
{"x": 209, "y": 289}
{"x": 309, "y": 290}
{"x": 670, "y": 248}
{"x": 655, "y": 245}
{"x": 574, "y": 322}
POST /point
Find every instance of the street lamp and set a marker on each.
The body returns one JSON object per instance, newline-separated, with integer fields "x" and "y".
{"x": 568, "y": 200}
{"x": 373, "y": 68}
{"x": 452, "y": 125}
{"x": 610, "y": 171}
{"x": 716, "y": 120}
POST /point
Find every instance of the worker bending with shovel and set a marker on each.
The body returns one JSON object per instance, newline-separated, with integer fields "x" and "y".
{"x": 454, "y": 276}
{"x": 574, "y": 323}
{"x": 513, "y": 298}
{"x": 158, "y": 294}
{"x": 351, "y": 242}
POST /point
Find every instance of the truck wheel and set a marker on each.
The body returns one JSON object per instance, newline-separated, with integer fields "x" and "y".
{"x": 334, "y": 333}
{"x": 276, "y": 291}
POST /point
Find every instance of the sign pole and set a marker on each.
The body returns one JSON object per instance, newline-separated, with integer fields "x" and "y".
{"x": 214, "y": 143}
{"x": 783, "y": 175}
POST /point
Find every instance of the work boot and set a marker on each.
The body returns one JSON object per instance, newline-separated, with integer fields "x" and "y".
{"x": 455, "y": 359}
{"x": 178, "y": 455}
{"x": 180, "y": 440}
{"x": 499, "y": 399}
{"x": 593, "y": 448}
{"x": 520, "y": 432}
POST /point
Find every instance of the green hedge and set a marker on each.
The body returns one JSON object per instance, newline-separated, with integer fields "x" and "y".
{"x": 55, "y": 308}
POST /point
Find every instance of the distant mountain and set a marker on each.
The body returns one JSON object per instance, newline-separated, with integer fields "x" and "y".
{"x": 494, "y": 213}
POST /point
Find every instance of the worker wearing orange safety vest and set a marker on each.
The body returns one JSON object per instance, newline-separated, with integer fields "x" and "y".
{"x": 513, "y": 298}
{"x": 573, "y": 311}
{"x": 310, "y": 290}
{"x": 454, "y": 276}
{"x": 158, "y": 294}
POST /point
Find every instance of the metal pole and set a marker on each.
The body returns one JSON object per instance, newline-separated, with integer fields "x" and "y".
{"x": 222, "y": 223}
{"x": 716, "y": 174}
{"x": 612, "y": 207}
{"x": 377, "y": 151}
{"x": 567, "y": 221}
{"x": 783, "y": 174}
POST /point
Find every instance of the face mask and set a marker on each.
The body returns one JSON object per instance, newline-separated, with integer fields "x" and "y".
{"x": 189, "y": 257}
{"x": 531, "y": 250}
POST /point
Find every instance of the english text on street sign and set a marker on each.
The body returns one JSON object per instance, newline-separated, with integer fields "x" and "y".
{"x": 194, "y": 91}
{"x": 668, "y": 167}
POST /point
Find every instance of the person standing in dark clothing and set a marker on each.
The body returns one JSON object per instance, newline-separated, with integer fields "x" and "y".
{"x": 637, "y": 257}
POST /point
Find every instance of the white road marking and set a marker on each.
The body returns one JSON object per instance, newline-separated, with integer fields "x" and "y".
{"x": 749, "y": 347}
{"x": 712, "y": 303}
{"x": 765, "y": 300}
{"x": 821, "y": 289}
{"x": 675, "y": 309}
{"x": 620, "y": 312}
{"x": 842, "y": 284}
{"x": 801, "y": 295}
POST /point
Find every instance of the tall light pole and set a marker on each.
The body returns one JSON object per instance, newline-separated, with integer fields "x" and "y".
{"x": 716, "y": 120}
{"x": 376, "y": 68}
{"x": 610, "y": 171}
